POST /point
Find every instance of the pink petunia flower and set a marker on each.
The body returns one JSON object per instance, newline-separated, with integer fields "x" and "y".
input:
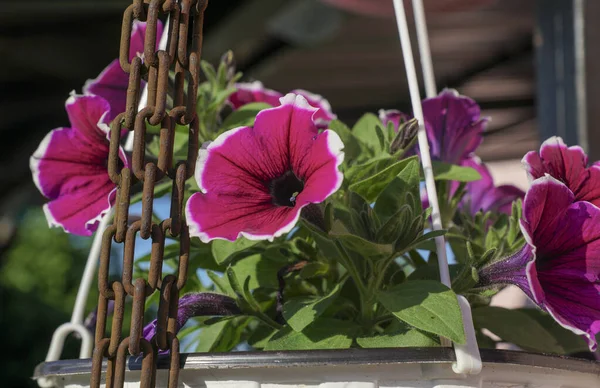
{"x": 453, "y": 124}
{"x": 559, "y": 266}
{"x": 567, "y": 164}
{"x": 70, "y": 167}
{"x": 255, "y": 180}
{"x": 112, "y": 82}
{"x": 483, "y": 195}
{"x": 256, "y": 92}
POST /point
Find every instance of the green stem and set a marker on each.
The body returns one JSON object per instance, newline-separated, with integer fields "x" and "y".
{"x": 266, "y": 320}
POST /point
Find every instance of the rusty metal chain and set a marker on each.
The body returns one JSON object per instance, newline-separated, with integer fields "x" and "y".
{"x": 182, "y": 55}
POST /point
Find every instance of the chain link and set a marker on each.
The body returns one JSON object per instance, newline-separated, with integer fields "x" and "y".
{"x": 182, "y": 55}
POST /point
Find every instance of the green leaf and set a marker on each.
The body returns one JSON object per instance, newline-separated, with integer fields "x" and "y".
{"x": 314, "y": 269}
{"x": 403, "y": 189}
{"x": 365, "y": 248}
{"x": 394, "y": 227}
{"x": 451, "y": 172}
{"x": 221, "y": 284}
{"x": 322, "y": 334}
{"x": 244, "y": 116}
{"x": 371, "y": 187}
{"x": 365, "y": 130}
{"x": 301, "y": 312}
{"x": 405, "y": 338}
{"x": 352, "y": 147}
{"x": 367, "y": 169}
{"x": 517, "y": 327}
{"x": 262, "y": 271}
{"x": 427, "y": 305}
{"x": 569, "y": 341}
{"x": 209, "y": 336}
{"x": 224, "y": 250}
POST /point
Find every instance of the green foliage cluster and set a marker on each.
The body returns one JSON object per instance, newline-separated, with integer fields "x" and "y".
{"x": 365, "y": 275}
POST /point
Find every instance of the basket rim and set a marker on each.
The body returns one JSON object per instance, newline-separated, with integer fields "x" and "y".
{"x": 312, "y": 358}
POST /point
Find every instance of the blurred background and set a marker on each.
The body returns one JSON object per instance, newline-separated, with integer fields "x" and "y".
{"x": 530, "y": 64}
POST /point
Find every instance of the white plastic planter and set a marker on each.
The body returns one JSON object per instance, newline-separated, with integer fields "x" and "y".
{"x": 356, "y": 368}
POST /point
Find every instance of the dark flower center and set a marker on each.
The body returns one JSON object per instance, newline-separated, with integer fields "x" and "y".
{"x": 285, "y": 189}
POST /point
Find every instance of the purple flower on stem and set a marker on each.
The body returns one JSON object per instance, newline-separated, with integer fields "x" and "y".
{"x": 567, "y": 164}
{"x": 70, "y": 167}
{"x": 203, "y": 304}
{"x": 256, "y": 92}
{"x": 393, "y": 116}
{"x": 483, "y": 195}
{"x": 453, "y": 124}
{"x": 256, "y": 180}
{"x": 559, "y": 266}
{"x": 112, "y": 82}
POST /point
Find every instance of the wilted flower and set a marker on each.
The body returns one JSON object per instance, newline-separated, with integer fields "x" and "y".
{"x": 256, "y": 92}
{"x": 256, "y": 180}
{"x": 453, "y": 124}
{"x": 559, "y": 266}
{"x": 567, "y": 164}
{"x": 70, "y": 167}
{"x": 483, "y": 195}
{"x": 112, "y": 82}
{"x": 202, "y": 304}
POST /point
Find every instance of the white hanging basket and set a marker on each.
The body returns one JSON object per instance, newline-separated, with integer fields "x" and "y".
{"x": 355, "y": 368}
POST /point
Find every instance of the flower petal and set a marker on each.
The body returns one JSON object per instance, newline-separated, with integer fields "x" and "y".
{"x": 253, "y": 92}
{"x": 324, "y": 115}
{"x": 69, "y": 167}
{"x": 484, "y": 195}
{"x": 565, "y": 273}
{"x": 211, "y": 216}
{"x": 453, "y": 125}
{"x": 394, "y": 116}
{"x": 568, "y": 165}
{"x": 111, "y": 84}
{"x": 138, "y": 36}
{"x": 321, "y": 166}
{"x": 80, "y": 211}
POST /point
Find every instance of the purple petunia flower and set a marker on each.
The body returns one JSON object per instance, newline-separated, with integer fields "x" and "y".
{"x": 483, "y": 195}
{"x": 393, "y": 116}
{"x": 567, "y": 164}
{"x": 453, "y": 124}
{"x": 256, "y": 92}
{"x": 112, "y": 82}
{"x": 559, "y": 266}
{"x": 203, "y": 304}
{"x": 70, "y": 167}
{"x": 255, "y": 180}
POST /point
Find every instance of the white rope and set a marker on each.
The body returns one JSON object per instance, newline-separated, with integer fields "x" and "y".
{"x": 76, "y": 323}
{"x": 468, "y": 359}
{"x": 424, "y": 50}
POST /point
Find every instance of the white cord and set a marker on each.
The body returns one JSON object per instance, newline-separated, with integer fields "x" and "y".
{"x": 76, "y": 323}
{"x": 424, "y": 50}
{"x": 468, "y": 359}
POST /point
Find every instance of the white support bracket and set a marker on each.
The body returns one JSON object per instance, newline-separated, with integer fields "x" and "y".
{"x": 468, "y": 359}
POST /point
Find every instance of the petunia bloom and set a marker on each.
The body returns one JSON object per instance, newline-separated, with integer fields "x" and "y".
{"x": 70, "y": 167}
{"x": 453, "y": 124}
{"x": 483, "y": 195}
{"x": 559, "y": 266}
{"x": 256, "y": 180}
{"x": 567, "y": 164}
{"x": 203, "y": 304}
{"x": 393, "y": 116}
{"x": 248, "y": 92}
{"x": 112, "y": 82}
